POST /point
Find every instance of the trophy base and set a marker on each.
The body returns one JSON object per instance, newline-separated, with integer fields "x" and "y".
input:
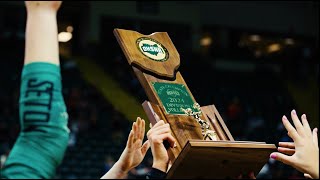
{"x": 201, "y": 159}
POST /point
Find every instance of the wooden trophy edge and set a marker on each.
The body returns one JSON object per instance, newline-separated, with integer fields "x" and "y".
{"x": 232, "y": 145}
{"x": 142, "y": 67}
{"x": 212, "y": 115}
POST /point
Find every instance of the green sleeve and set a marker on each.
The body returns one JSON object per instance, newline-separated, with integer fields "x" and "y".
{"x": 44, "y": 133}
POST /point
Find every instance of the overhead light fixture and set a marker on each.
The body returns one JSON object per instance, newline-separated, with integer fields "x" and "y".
{"x": 64, "y": 36}
{"x": 69, "y": 29}
{"x": 206, "y": 41}
{"x": 274, "y": 47}
{"x": 289, "y": 41}
{"x": 254, "y": 38}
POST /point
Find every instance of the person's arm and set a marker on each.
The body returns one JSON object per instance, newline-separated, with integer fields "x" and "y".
{"x": 303, "y": 154}
{"x": 133, "y": 153}
{"x": 41, "y": 43}
{"x": 157, "y": 135}
{"x": 44, "y": 133}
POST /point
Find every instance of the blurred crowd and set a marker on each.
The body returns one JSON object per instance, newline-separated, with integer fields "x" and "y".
{"x": 251, "y": 104}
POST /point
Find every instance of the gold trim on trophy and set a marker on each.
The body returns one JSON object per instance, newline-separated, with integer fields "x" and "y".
{"x": 205, "y": 127}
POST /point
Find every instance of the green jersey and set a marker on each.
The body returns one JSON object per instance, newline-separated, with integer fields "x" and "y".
{"x": 44, "y": 133}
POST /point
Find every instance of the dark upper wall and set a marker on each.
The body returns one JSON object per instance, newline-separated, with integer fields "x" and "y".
{"x": 300, "y": 18}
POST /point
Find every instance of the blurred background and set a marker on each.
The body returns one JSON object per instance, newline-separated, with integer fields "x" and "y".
{"x": 255, "y": 61}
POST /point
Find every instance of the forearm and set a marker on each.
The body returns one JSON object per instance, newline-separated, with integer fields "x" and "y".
{"x": 41, "y": 43}
{"x": 116, "y": 172}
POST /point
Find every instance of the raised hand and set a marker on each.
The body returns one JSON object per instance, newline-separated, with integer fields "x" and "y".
{"x": 133, "y": 153}
{"x": 156, "y": 136}
{"x": 303, "y": 153}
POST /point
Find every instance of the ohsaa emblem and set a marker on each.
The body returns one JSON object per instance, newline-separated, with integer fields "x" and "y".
{"x": 152, "y": 49}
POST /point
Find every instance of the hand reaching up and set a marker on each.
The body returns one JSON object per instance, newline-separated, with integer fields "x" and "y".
{"x": 303, "y": 153}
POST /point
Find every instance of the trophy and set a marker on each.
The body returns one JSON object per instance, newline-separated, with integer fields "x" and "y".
{"x": 206, "y": 132}
{"x": 205, "y": 147}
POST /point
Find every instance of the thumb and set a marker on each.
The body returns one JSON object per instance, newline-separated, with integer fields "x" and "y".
{"x": 145, "y": 147}
{"x": 307, "y": 176}
{"x": 281, "y": 157}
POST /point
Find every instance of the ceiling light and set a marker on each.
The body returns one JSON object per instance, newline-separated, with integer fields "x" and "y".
{"x": 289, "y": 41}
{"x": 64, "y": 36}
{"x": 69, "y": 29}
{"x": 274, "y": 47}
{"x": 206, "y": 41}
{"x": 254, "y": 38}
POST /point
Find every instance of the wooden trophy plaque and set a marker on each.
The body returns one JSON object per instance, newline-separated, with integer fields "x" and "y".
{"x": 205, "y": 147}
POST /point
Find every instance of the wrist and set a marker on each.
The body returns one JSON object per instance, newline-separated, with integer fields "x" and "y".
{"x": 122, "y": 170}
{"x": 38, "y": 12}
{"x": 116, "y": 172}
{"x": 315, "y": 172}
{"x": 160, "y": 166}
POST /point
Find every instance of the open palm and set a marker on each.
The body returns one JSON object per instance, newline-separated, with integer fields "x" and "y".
{"x": 134, "y": 152}
{"x": 303, "y": 153}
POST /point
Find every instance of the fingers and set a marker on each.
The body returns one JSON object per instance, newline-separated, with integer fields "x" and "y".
{"x": 135, "y": 130}
{"x": 145, "y": 147}
{"x": 156, "y": 128}
{"x": 133, "y": 133}
{"x": 159, "y": 126}
{"x": 307, "y": 176}
{"x": 289, "y": 135}
{"x": 159, "y": 123}
{"x": 162, "y": 129}
{"x": 283, "y": 158}
{"x": 315, "y": 136}
{"x": 291, "y": 130}
{"x": 287, "y": 145}
{"x": 140, "y": 128}
{"x": 130, "y": 139}
{"x": 297, "y": 122}
{"x": 286, "y": 151}
{"x": 171, "y": 140}
{"x": 306, "y": 126}
{"x": 159, "y": 138}
{"x": 143, "y": 128}
{"x": 160, "y": 133}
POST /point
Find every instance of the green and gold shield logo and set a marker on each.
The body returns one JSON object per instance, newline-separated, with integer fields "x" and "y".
{"x": 152, "y": 49}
